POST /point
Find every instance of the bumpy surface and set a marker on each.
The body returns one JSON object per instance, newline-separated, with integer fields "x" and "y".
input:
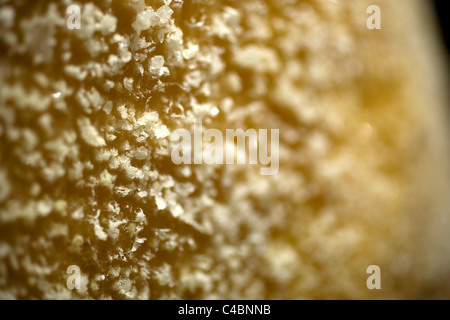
{"x": 86, "y": 176}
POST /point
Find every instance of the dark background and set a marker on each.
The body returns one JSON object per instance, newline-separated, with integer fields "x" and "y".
{"x": 443, "y": 18}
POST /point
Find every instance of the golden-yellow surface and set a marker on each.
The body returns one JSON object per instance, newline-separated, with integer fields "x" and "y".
{"x": 86, "y": 176}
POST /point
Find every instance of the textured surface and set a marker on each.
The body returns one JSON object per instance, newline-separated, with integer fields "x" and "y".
{"x": 87, "y": 179}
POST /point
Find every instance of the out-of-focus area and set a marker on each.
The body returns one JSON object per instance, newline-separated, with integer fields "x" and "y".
{"x": 442, "y": 14}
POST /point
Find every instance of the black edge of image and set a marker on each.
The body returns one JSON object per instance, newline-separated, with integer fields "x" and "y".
{"x": 440, "y": 8}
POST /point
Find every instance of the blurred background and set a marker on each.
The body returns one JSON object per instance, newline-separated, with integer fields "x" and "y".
{"x": 442, "y": 13}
